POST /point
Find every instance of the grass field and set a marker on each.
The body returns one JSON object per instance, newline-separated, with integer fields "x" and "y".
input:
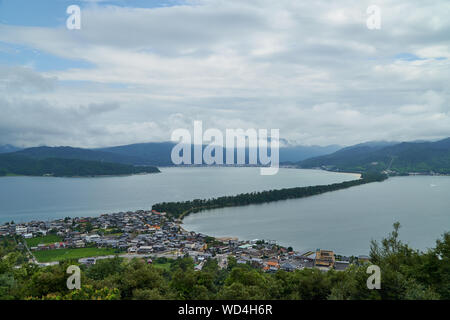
{"x": 50, "y": 238}
{"x": 163, "y": 266}
{"x": 62, "y": 254}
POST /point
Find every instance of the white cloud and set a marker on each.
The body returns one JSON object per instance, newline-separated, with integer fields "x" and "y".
{"x": 311, "y": 69}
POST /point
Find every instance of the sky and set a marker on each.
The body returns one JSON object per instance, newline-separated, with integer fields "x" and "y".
{"x": 137, "y": 70}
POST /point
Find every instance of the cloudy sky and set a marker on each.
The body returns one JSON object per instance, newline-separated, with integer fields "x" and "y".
{"x": 138, "y": 69}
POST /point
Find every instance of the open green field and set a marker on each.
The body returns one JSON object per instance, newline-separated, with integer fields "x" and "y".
{"x": 50, "y": 238}
{"x": 163, "y": 266}
{"x": 62, "y": 254}
{"x": 162, "y": 263}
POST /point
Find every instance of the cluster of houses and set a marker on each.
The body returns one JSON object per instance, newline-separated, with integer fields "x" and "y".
{"x": 151, "y": 233}
{"x": 271, "y": 258}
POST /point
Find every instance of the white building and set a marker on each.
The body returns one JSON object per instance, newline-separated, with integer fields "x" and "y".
{"x": 21, "y": 230}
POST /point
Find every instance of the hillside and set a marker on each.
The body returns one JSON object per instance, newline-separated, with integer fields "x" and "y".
{"x": 298, "y": 153}
{"x": 79, "y": 154}
{"x": 7, "y": 148}
{"x": 159, "y": 153}
{"x": 16, "y": 164}
{"x": 400, "y": 158}
{"x": 149, "y": 154}
{"x": 153, "y": 153}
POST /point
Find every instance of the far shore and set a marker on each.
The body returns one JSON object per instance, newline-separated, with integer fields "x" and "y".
{"x": 358, "y": 174}
{"x": 90, "y": 176}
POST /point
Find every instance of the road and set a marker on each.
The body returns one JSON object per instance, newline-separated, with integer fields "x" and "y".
{"x": 33, "y": 258}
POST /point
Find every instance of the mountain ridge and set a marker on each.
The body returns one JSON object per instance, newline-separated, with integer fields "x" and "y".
{"x": 154, "y": 153}
{"x": 17, "y": 164}
{"x": 399, "y": 158}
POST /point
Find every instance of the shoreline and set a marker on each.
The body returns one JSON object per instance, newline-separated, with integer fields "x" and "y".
{"x": 181, "y": 223}
{"x": 87, "y": 212}
{"x": 171, "y": 253}
{"x": 90, "y": 176}
{"x": 179, "y": 210}
{"x": 141, "y": 208}
{"x": 409, "y": 174}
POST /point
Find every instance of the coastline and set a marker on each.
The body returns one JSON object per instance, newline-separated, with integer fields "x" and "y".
{"x": 390, "y": 174}
{"x": 98, "y": 200}
{"x": 215, "y": 235}
{"x": 179, "y": 210}
{"x": 87, "y": 176}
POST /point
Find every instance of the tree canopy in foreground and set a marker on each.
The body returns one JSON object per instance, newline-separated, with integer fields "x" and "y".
{"x": 405, "y": 274}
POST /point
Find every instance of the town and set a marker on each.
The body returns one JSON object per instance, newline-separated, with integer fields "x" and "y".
{"x": 152, "y": 234}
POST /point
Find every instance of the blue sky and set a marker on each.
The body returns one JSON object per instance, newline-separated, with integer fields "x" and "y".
{"x": 52, "y": 14}
{"x": 19, "y": 55}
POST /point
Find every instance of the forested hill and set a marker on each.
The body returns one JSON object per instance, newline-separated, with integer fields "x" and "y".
{"x": 153, "y": 153}
{"x": 80, "y": 154}
{"x": 16, "y": 164}
{"x": 159, "y": 153}
{"x": 400, "y": 158}
{"x": 7, "y": 148}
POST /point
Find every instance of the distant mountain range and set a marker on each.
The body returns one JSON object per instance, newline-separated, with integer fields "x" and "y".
{"x": 18, "y": 164}
{"x": 80, "y": 154}
{"x": 7, "y": 148}
{"x": 160, "y": 153}
{"x": 154, "y": 153}
{"x": 294, "y": 154}
{"x": 127, "y": 159}
{"x": 400, "y": 158}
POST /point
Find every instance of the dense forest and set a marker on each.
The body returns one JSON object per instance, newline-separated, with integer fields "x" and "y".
{"x": 405, "y": 274}
{"x": 181, "y": 209}
{"x": 14, "y": 164}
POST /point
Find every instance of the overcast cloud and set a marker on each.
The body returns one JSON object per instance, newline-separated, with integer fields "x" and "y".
{"x": 310, "y": 68}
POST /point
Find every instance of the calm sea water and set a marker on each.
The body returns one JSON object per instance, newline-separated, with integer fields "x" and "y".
{"x": 42, "y": 198}
{"x": 344, "y": 221}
